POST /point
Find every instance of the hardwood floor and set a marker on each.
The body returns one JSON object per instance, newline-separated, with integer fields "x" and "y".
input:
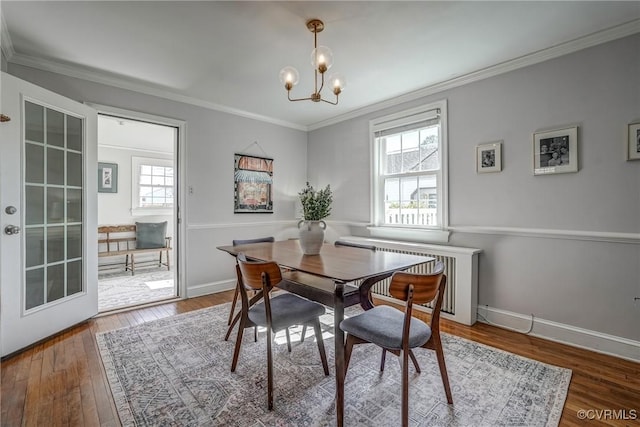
{"x": 61, "y": 382}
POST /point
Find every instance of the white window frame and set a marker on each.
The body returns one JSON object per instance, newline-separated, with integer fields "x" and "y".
{"x": 136, "y": 209}
{"x": 436, "y": 234}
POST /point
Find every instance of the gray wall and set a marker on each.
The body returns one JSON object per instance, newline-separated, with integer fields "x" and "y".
{"x": 588, "y": 283}
{"x": 212, "y": 138}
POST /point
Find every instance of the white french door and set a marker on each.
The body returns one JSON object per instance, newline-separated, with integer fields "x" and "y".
{"x": 48, "y": 188}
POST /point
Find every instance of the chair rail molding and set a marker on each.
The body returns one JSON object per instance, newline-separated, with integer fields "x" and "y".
{"x": 595, "y": 236}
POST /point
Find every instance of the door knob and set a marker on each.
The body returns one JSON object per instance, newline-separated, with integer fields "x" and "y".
{"x": 11, "y": 229}
{"x": 10, "y": 210}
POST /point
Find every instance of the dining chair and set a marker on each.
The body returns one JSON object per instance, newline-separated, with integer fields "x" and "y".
{"x": 238, "y": 242}
{"x": 231, "y": 322}
{"x": 399, "y": 332}
{"x": 275, "y": 313}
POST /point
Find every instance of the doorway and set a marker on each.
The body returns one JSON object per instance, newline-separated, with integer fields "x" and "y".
{"x": 137, "y": 188}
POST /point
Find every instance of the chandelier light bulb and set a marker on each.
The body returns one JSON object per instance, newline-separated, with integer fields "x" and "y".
{"x": 322, "y": 58}
{"x": 289, "y": 77}
{"x": 337, "y": 83}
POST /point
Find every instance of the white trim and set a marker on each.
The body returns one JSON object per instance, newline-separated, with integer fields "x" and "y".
{"x": 122, "y": 83}
{"x": 595, "y": 236}
{"x": 120, "y": 147}
{"x": 410, "y": 234}
{"x": 212, "y": 226}
{"x": 210, "y": 288}
{"x": 5, "y": 39}
{"x": 565, "y": 334}
{"x": 562, "y": 49}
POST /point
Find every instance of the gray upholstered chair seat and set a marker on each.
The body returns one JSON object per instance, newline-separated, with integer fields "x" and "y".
{"x": 382, "y": 325}
{"x": 286, "y": 310}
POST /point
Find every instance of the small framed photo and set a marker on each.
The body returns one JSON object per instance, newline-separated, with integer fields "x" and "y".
{"x": 489, "y": 157}
{"x": 555, "y": 151}
{"x": 633, "y": 142}
{"x": 107, "y": 177}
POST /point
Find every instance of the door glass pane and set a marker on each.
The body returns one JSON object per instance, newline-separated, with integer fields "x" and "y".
{"x": 53, "y": 205}
{"x": 55, "y": 244}
{"x": 74, "y": 277}
{"x": 74, "y": 133}
{"x": 74, "y": 241}
{"x": 35, "y": 246}
{"x": 34, "y": 122}
{"x": 35, "y": 205}
{"x": 55, "y": 128}
{"x": 34, "y": 161}
{"x": 55, "y": 282}
{"x": 74, "y": 169}
{"x": 34, "y": 283}
{"x": 55, "y": 166}
{"x": 74, "y": 205}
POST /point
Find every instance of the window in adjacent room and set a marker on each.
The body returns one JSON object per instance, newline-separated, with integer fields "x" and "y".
{"x": 409, "y": 170}
{"x": 153, "y": 184}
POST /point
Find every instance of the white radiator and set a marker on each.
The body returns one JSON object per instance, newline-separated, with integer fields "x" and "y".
{"x": 460, "y": 266}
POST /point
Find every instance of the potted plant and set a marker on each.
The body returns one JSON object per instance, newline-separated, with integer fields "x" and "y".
{"x": 316, "y": 205}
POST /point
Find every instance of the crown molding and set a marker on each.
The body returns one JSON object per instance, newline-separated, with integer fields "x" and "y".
{"x": 123, "y": 83}
{"x": 5, "y": 39}
{"x": 614, "y": 33}
{"x": 620, "y": 31}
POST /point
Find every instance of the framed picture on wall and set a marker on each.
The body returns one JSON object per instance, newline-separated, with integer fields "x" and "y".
{"x": 253, "y": 184}
{"x": 107, "y": 177}
{"x": 633, "y": 142}
{"x": 555, "y": 151}
{"x": 489, "y": 157}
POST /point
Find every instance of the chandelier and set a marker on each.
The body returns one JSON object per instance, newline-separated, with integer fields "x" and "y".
{"x": 322, "y": 60}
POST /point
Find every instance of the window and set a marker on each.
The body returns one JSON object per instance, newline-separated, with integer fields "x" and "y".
{"x": 409, "y": 172}
{"x": 153, "y": 185}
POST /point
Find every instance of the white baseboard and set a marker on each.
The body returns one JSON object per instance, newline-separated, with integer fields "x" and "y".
{"x": 565, "y": 334}
{"x": 210, "y": 288}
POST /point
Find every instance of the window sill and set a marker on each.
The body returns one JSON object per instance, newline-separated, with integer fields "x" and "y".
{"x": 410, "y": 234}
{"x": 151, "y": 212}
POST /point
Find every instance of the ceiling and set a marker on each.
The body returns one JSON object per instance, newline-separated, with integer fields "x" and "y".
{"x": 227, "y": 55}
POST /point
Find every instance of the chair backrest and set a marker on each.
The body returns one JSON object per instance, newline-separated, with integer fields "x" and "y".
{"x": 425, "y": 286}
{"x": 258, "y": 240}
{"x": 354, "y": 245}
{"x": 253, "y": 273}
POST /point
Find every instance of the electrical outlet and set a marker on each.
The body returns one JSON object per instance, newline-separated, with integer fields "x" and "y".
{"x": 191, "y": 189}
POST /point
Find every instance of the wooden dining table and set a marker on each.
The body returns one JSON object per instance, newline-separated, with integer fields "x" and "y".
{"x": 331, "y": 278}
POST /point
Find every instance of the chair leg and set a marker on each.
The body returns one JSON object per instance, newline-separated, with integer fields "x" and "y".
{"x": 269, "y": 371}
{"x": 383, "y": 359}
{"x": 323, "y": 355}
{"x": 233, "y": 305}
{"x": 405, "y": 388}
{"x": 255, "y": 334}
{"x": 304, "y": 331}
{"x": 236, "y": 351}
{"x": 348, "y": 348}
{"x": 233, "y": 323}
{"x": 286, "y": 331}
{"x": 443, "y": 368}
{"x": 415, "y": 361}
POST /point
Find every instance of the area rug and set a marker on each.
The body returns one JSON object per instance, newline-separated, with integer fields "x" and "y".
{"x": 117, "y": 290}
{"x": 176, "y": 372}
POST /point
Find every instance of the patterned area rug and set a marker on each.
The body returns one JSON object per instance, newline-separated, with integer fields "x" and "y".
{"x": 176, "y": 371}
{"x": 121, "y": 289}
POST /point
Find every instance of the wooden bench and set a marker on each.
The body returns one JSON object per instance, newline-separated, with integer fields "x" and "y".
{"x": 118, "y": 240}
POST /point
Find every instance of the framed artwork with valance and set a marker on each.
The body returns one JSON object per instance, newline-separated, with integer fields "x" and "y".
{"x": 253, "y": 184}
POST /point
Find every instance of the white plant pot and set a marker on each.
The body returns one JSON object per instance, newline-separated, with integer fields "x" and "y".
{"x": 311, "y": 236}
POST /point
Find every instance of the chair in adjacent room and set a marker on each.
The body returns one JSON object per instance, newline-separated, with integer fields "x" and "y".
{"x": 273, "y": 312}
{"x": 399, "y": 332}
